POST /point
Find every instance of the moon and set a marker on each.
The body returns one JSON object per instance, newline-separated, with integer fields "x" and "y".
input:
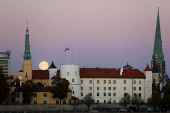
{"x": 43, "y": 65}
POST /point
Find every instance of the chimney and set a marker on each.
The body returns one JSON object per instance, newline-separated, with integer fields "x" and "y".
{"x": 121, "y": 71}
{"x": 20, "y": 83}
{"x": 160, "y": 86}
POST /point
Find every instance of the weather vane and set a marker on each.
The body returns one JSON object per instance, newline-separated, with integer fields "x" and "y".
{"x": 27, "y": 23}
{"x": 158, "y": 5}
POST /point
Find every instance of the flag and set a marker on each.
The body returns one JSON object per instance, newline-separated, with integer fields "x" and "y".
{"x": 66, "y": 49}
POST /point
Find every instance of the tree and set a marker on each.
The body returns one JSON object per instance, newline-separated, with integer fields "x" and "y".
{"x": 88, "y": 100}
{"x": 74, "y": 101}
{"x": 4, "y": 86}
{"x": 166, "y": 101}
{"x": 137, "y": 100}
{"x": 154, "y": 100}
{"x": 28, "y": 91}
{"x": 125, "y": 100}
{"x": 60, "y": 88}
{"x": 39, "y": 84}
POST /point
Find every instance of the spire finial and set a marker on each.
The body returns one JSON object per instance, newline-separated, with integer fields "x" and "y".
{"x": 158, "y": 5}
{"x": 27, "y": 23}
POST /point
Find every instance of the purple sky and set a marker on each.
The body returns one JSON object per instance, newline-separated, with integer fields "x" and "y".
{"x": 106, "y": 33}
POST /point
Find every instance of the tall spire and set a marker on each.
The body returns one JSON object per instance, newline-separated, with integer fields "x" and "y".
{"x": 154, "y": 69}
{"x": 27, "y": 55}
{"x": 158, "y": 42}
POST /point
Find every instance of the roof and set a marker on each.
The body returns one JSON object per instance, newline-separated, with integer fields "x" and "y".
{"x": 40, "y": 74}
{"x": 57, "y": 75}
{"x": 11, "y": 77}
{"x": 45, "y": 89}
{"x": 147, "y": 68}
{"x": 52, "y": 65}
{"x": 93, "y": 73}
{"x": 110, "y": 73}
{"x": 13, "y": 83}
{"x": 127, "y": 66}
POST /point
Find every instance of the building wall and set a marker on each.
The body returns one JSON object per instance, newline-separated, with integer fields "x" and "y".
{"x": 27, "y": 68}
{"x": 5, "y": 62}
{"x": 148, "y": 84}
{"x": 42, "y": 81}
{"x": 155, "y": 77}
{"x": 91, "y": 85}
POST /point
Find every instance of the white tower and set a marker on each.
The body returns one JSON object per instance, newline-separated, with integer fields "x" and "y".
{"x": 71, "y": 73}
{"x": 52, "y": 72}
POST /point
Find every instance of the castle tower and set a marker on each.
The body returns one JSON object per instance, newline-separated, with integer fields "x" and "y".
{"x": 157, "y": 52}
{"x": 27, "y": 65}
{"x": 52, "y": 72}
{"x": 71, "y": 73}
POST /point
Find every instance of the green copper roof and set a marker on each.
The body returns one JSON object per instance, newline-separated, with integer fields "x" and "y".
{"x": 158, "y": 42}
{"x": 27, "y": 55}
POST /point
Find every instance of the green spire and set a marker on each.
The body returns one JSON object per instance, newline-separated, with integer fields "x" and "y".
{"x": 157, "y": 52}
{"x": 27, "y": 55}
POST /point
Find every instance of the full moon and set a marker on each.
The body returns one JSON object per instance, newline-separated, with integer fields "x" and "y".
{"x": 43, "y": 65}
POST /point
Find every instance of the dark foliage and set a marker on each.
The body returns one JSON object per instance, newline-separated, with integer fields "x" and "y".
{"x": 88, "y": 100}
{"x": 137, "y": 100}
{"x": 125, "y": 100}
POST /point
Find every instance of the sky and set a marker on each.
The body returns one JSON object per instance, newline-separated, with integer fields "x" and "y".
{"x": 105, "y": 33}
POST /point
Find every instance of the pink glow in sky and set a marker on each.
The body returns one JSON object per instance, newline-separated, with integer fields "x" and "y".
{"x": 106, "y": 33}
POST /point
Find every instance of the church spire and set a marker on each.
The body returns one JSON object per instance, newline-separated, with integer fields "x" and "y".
{"x": 158, "y": 42}
{"x": 27, "y": 55}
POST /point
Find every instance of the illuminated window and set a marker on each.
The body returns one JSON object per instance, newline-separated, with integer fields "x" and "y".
{"x": 90, "y": 81}
{"x": 109, "y": 81}
{"x": 104, "y": 81}
{"x": 125, "y": 88}
{"x": 97, "y": 88}
{"x": 124, "y": 81}
{"x": 98, "y": 82}
{"x": 81, "y": 88}
{"x": 81, "y": 81}
{"x": 139, "y": 81}
{"x": 104, "y": 88}
{"x": 114, "y": 88}
{"x": 90, "y": 88}
{"x": 114, "y": 81}
{"x": 134, "y": 82}
{"x": 67, "y": 73}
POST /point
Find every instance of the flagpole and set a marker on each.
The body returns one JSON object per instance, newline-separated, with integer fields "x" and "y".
{"x": 69, "y": 56}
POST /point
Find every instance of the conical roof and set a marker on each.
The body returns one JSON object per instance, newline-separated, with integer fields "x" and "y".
{"x": 127, "y": 66}
{"x": 147, "y": 68}
{"x": 52, "y": 65}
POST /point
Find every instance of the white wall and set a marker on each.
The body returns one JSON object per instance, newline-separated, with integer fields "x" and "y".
{"x": 52, "y": 72}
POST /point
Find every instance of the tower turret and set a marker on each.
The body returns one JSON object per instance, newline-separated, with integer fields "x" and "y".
{"x": 52, "y": 72}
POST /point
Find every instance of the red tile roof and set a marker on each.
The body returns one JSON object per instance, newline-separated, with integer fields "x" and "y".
{"x": 93, "y": 73}
{"x": 40, "y": 74}
{"x": 13, "y": 83}
{"x": 11, "y": 77}
{"x": 110, "y": 73}
{"x": 45, "y": 89}
{"x": 147, "y": 68}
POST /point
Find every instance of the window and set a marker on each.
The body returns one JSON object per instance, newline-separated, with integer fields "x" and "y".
{"x": 104, "y": 81}
{"x": 90, "y": 81}
{"x": 72, "y": 87}
{"x": 114, "y": 81}
{"x": 45, "y": 102}
{"x": 64, "y": 101}
{"x": 81, "y": 81}
{"x": 124, "y": 88}
{"x": 104, "y": 101}
{"x": 97, "y": 93}
{"x": 72, "y": 80}
{"x": 104, "y": 94}
{"x": 109, "y": 81}
{"x": 73, "y": 92}
{"x": 134, "y": 88}
{"x": 35, "y": 94}
{"x": 114, "y": 88}
{"x": 98, "y": 82}
{"x": 90, "y": 88}
{"x": 81, "y": 93}
{"x": 67, "y": 73}
{"x": 97, "y": 101}
{"x": 114, "y": 101}
{"x": 44, "y": 94}
{"x": 134, "y": 82}
{"x": 35, "y": 101}
{"x": 109, "y": 88}
{"x": 139, "y": 81}
{"x": 97, "y": 88}
{"x": 140, "y": 94}
{"x": 114, "y": 94}
{"x": 17, "y": 95}
{"x": 124, "y": 81}
{"x": 109, "y": 94}
{"x": 57, "y": 101}
{"x": 104, "y": 88}
{"x": 44, "y": 83}
{"x": 81, "y": 88}
{"x": 139, "y": 88}
{"x": 90, "y": 94}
